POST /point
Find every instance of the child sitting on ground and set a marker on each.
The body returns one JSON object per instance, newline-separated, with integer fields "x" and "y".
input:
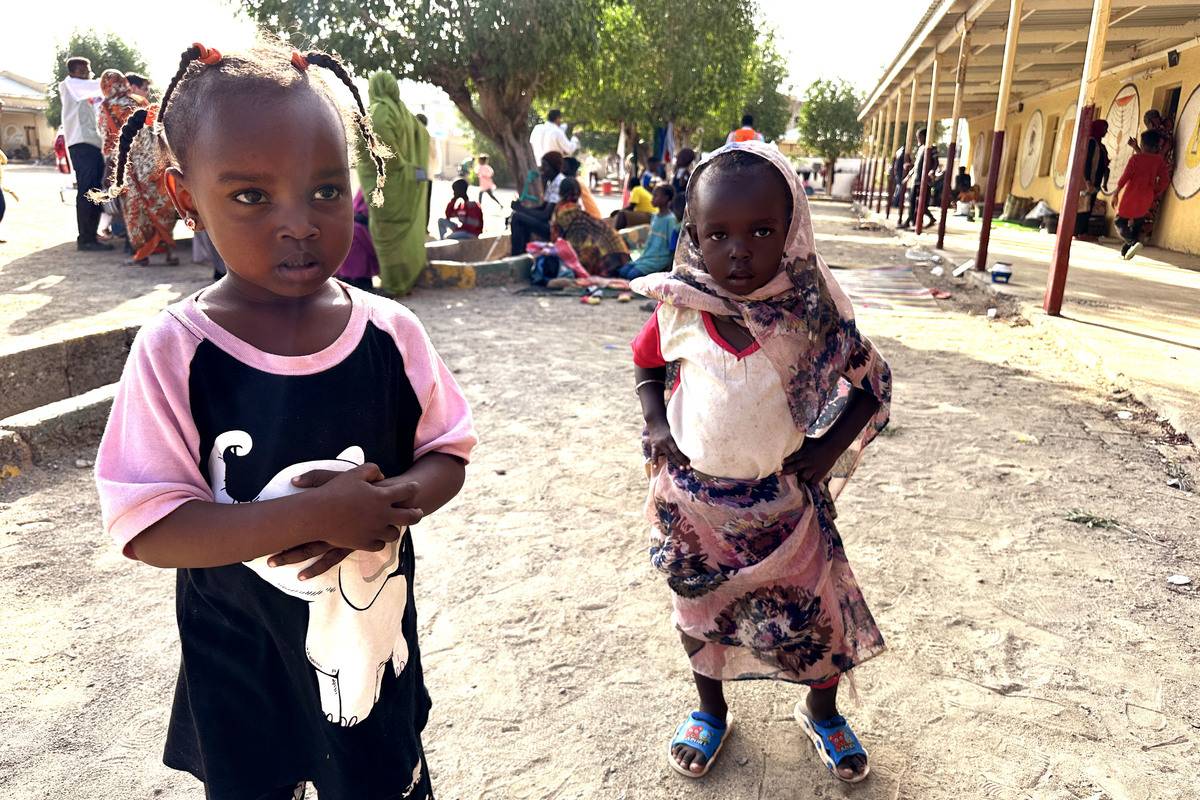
{"x": 487, "y": 180}
{"x": 273, "y": 437}
{"x": 656, "y": 255}
{"x": 1145, "y": 178}
{"x": 464, "y": 217}
{"x": 771, "y": 396}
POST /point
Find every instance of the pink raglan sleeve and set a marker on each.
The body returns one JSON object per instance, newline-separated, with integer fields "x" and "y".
{"x": 446, "y": 425}
{"x": 148, "y": 464}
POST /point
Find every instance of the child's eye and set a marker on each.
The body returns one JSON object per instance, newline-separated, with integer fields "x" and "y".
{"x": 763, "y": 233}
{"x": 251, "y": 197}
{"x": 327, "y": 193}
{"x": 718, "y": 236}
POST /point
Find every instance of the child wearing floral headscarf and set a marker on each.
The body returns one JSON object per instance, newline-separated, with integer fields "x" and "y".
{"x": 771, "y": 397}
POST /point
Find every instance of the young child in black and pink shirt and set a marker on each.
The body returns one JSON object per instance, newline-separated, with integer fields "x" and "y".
{"x": 273, "y": 438}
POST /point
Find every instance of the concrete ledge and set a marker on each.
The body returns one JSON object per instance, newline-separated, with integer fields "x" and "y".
{"x": 55, "y": 371}
{"x": 69, "y": 423}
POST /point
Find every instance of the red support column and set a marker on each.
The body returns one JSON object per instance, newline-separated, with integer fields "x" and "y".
{"x": 947, "y": 190}
{"x": 989, "y": 199}
{"x": 1057, "y": 282}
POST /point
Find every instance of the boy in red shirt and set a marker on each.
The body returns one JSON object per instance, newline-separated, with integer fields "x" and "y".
{"x": 464, "y": 217}
{"x": 1145, "y": 178}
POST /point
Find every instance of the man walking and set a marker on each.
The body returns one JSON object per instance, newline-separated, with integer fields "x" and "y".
{"x": 926, "y": 163}
{"x": 80, "y": 95}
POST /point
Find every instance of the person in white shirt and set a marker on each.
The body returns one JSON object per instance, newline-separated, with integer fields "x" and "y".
{"x": 551, "y": 137}
{"x": 80, "y": 96}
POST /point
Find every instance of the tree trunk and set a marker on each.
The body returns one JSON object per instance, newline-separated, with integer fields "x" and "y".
{"x": 830, "y": 164}
{"x": 501, "y": 117}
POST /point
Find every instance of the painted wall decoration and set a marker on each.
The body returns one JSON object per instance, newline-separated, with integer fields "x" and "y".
{"x": 1031, "y": 149}
{"x": 1062, "y": 146}
{"x": 1124, "y": 121}
{"x": 1186, "y": 180}
{"x": 979, "y": 160}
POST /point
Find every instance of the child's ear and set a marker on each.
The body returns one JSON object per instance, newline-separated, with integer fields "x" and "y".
{"x": 181, "y": 198}
{"x": 691, "y": 232}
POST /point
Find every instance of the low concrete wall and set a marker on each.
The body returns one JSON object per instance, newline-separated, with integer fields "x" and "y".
{"x": 52, "y": 372}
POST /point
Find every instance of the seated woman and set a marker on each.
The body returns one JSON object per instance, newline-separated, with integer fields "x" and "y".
{"x": 601, "y": 250}
{"x": 529, "y": 221}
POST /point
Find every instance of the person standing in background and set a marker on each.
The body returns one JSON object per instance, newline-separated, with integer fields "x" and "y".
{"x": 80, "y": 95}
{"x": 551, "y": 137}
{"x": 425, "y": 146}
{"x": 746, "y": 133}
{"x": 3, "y": 161}
{"x": 399, "y": 226}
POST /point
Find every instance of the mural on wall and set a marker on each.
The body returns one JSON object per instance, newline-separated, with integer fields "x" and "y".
{"x": 978, "y": 160}
{"x": 1124, "y": 122}
{"x": 1062, "y": 146}
{"x": 1031, "y": 149}
{"x": 1186, "y": 180}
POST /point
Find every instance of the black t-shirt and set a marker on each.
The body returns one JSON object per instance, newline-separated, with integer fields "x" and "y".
{"x": 283, "y": 681}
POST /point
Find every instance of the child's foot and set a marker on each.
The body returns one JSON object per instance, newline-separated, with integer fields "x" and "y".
{"x": 1133, "y": 250}
{"x": 1125, "y": 251}
{"x": 697, "y": 742}
{"x": 836, "y": 745}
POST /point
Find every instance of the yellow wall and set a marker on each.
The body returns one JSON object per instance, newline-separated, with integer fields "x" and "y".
{"x": 1178, "y": 225}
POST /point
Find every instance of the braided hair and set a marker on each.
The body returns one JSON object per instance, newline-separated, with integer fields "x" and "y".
{"x": 204, "y": 74}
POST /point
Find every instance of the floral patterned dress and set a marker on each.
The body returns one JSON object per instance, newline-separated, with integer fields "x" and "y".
{"x": 760, "y": 582}
{"x": 149, "y": 215}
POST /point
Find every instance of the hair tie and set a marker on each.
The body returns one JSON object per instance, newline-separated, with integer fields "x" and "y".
{"x": 299, "y": 60}
{"x": 208, "y": 55}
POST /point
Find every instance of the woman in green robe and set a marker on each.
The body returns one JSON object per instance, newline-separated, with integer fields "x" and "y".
{"x": 398, "y": 226}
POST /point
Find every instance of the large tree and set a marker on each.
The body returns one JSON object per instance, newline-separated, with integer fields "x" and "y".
{"x": 828, "y": 122}
{"x": 659, "y": 61}
{"x": 492, "y": 57}
{"x": 106, "y": 51}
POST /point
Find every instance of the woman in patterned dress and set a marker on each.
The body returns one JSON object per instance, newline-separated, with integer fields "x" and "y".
{"x": 771, "y": 396}
{"x": 149, "y": 215}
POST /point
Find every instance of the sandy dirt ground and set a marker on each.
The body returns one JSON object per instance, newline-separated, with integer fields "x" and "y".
{"x": 1031, "y": 657}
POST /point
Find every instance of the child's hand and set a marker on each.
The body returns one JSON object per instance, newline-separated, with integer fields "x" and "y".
{"x": 365, "y": 510}
{"x": 330, "y": 557}
{"x": 662, "y": 444}
{"x": 813, "y": 461}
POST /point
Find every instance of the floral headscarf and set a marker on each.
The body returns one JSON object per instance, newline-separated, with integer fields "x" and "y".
{"x": 802, "y": 319}
{"x": 114, "y": 85}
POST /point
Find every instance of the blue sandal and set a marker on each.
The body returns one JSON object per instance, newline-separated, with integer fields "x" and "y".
{"x": 701, "y": 732}
{"x": 833, "y": 741}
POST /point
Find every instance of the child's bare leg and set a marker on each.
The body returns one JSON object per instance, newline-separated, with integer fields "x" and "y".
{"x": 712, "y": 702}
{"x": 822, "y": 705}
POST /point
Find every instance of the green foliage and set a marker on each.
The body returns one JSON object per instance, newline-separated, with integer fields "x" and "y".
{"x": 492, "y": 57}
{"x": 106, "y": 51}
{"x": 758, "y": 94}
{"x": 828, "y": 119}
{"x": 660, "y": 60}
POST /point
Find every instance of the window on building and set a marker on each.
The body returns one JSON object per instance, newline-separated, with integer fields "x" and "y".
{"x": 1048, "y": 145}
